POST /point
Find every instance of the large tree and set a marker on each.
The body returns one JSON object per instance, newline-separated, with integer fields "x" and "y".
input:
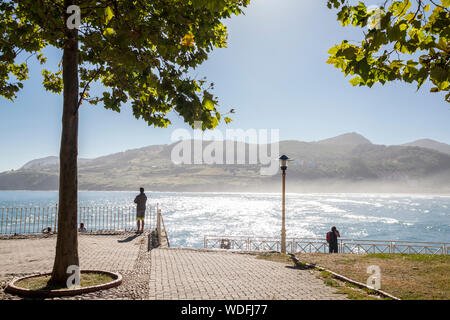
{"x": 138, "y": 51}
{"x": 403, "y": 40}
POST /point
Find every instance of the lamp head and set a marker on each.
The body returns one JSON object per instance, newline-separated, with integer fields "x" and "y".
{"x": 283, "y": 162}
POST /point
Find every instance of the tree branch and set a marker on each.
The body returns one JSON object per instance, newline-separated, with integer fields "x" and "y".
{"x": 85, "y": 88}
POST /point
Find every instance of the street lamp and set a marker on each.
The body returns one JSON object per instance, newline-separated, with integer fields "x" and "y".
{"x": 283, "y": 166}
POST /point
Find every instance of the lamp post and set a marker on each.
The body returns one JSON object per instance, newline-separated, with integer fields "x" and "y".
{"x": 283, "y": 166}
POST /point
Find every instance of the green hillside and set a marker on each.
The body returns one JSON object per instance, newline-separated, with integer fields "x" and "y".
{"x": 347, "y": 163}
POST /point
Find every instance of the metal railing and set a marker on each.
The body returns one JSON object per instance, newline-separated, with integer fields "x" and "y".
{"x": 20, "y": 221}
{"x": 161, "y": 229}
{"x": 316, "y": 245}
{"x": 164, "y": 232}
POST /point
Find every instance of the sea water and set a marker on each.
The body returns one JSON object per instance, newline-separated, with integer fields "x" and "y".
{"x": 189, "y": 216}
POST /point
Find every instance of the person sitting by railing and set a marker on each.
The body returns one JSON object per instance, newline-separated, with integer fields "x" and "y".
{"x": 82, "y": 228}
{"x": 225, "y": 244}
{"x": 47, "y": 230}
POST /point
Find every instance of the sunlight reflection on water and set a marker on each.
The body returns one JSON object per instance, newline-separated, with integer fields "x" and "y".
{"x": 191, "y": 216}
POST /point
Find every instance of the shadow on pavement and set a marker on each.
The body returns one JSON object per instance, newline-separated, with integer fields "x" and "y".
{"x": 130, "y": 238}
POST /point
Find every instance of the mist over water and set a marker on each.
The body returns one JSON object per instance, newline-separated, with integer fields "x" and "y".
{"x": 190, "y": 216}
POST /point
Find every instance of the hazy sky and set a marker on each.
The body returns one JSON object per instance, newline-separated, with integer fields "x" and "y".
{"x": 273, "y": 73}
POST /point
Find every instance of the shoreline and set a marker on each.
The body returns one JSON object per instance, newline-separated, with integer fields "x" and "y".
{"x": 362, "y": 193}
{"x": 399, "y": 193}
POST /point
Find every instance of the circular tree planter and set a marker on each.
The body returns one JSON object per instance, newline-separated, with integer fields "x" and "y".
{"x": 45, "y": 293}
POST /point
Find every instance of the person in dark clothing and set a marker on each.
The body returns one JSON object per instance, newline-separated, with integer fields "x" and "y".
{"x": 82, "y": 228}
{"x": 141, "y": 201}
{"x": 332, "y": 238}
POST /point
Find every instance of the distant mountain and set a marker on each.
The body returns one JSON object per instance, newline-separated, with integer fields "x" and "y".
{"x": 41, "y": 163}
{"x": 347, "y": 163}
{"x": 46, "y": 162}
{"x": 353, "y": 139}
{"x": 430, "y": 144}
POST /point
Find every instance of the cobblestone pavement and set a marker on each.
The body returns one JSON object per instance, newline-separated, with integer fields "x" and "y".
{"x": 199, "y": 274}
{"x": 124, "y": 253}
{"x": 166, "y": 273}
{"x": 106, "y": 252}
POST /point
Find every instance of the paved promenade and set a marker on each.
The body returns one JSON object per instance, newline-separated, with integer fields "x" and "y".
{"x": 166, "y": 273}
{"x": 198, "y": 274}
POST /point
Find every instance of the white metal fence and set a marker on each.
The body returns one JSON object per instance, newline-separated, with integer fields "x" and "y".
{"x": 316, "y": 245}
{"x": 96, "y": 219}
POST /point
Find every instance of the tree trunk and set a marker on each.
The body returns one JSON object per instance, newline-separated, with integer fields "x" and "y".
{"x": 67, "y": 239}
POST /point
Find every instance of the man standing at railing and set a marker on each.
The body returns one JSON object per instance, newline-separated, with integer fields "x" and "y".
{"x": 332, "y": 239}
{"x": 141, "y": 201}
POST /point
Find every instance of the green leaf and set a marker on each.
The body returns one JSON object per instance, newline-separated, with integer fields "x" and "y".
{"x": 52, "y": 82}
{"x": 109, "y": 32}
{"x": 208, "y": 104}
{"x": 355, "y": 81}
{"x": 109, "y": 14}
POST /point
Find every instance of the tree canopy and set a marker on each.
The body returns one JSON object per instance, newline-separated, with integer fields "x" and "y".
{"x": 140, "y": 51}
{"x": 405, "y": 40}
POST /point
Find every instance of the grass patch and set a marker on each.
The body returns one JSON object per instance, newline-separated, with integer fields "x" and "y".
{"x": 352, "y": 291}
{"x": 40, "y": 283}
{"x": 407, "y": 276}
